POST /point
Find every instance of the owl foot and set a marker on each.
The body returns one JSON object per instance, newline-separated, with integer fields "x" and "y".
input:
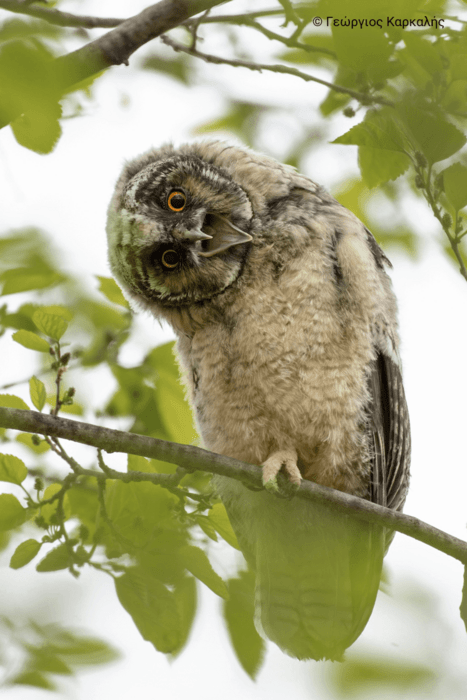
{"x": 286, "y": 460}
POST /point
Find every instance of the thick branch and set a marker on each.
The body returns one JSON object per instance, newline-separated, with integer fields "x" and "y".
{"x": 116, "y": 47}
{"x": 194, "y": 458}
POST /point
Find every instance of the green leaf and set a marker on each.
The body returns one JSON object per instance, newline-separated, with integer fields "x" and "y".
{"x": 455, "y": 185}
{"x": 313, "y": 40}
{"x": 239, "y": 615}
{"x": 378, "y": 130}
{"x": 56, "y": 560}
{"x": 177, "y": 68}
{"x": 33, "y": 678}
{"x": 12, "y": 513}
{"x": 50, "y": 324}
{"x": 104, "y": 316}
{"x": 24, "y": 553}
{"x": 12, "y": 469}
{"x": 372, "y": 676}
{"x": 31, "y": 341}
{"x": 221, "y": 523}
{"x": 379, "y": 166}
{"x": 455, "y": 97}
{"x": 18, "y": 321}
{"x": 139, "y": 510}
{"x": 197, "y": 563}
{"x": 185, "y": 599}
{"x": 337, "y": 100}
{"x": 25, "y": 279}
{"x": 79, "y": 650}
{"x": 153, "y": 609}
{"x": 26, "y": 439}
{"x": 58, "y": 310}
{"x": 425, "y": 52}
{"x": 136, "y": 463}
{"x": 39, "y": 130}
{"x": 11, "y": 401}
{"x": 438, "y": 139}
{"x": 463, "y": 605}
{"x": 84, "y": 505}
{"x": 37, "y": 392}
{"x": 242, "y": 118}
{"x": 45, "y": 661}
{"x": 74, "y": 409}
{"x": 362, "y": 50}
{"x": 26, "y": 81}
{"x": 170, "y": 396}
{"x": 206, "y": 527}
{"x": 458, "y": 67}
{"x": 112, "y": 291}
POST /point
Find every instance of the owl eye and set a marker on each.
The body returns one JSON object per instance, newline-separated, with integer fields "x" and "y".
{"x": 176, "y": 200}
{"x": 170, "y": 258}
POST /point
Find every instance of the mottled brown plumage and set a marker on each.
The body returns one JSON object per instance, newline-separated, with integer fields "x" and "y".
{"x": 287, "y": 331}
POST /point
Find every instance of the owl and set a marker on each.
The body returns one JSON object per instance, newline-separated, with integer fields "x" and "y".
{"x": 286, "y": 328}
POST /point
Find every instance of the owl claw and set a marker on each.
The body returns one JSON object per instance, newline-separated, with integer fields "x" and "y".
{"x": 271, "y": 485}
{"x": 286, "y": 460}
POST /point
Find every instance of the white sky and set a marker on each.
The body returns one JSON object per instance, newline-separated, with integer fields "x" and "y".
{"x": 66, "y": 193}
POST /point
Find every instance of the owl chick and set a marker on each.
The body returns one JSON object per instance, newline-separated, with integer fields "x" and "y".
{"x": 287, "y": 330}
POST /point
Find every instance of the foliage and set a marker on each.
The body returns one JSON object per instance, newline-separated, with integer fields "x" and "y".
{"x": 399, "y": 70}
{"x": 152, "y": 540}
{"x": 46, "y": 651}
{"x": 404, "y": 88}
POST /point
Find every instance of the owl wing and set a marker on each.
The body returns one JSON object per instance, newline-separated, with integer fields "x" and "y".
{"x": 389, "y": 433}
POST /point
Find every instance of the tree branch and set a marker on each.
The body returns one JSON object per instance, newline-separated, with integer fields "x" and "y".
{"x": 62, "y": 19}
{"x": 194, "y": 458}
{"x": 116, "y": 47}
{"x": 276, "y": 68}
{"x": 249, "y": 20}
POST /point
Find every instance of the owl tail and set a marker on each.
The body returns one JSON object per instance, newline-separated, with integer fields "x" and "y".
{"x": 317, "y": 577}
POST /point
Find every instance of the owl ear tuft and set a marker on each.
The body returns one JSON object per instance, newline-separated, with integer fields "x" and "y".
{"x": 224, "y": 234}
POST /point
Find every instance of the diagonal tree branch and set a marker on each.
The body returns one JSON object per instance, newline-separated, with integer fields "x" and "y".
{"x": 116, "y": 47}
{"x": 276, "y": 68}
{"x": 194, "y": 458}
{"x": 62, "y": 19}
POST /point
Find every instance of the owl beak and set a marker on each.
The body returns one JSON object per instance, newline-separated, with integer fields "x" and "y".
{"x": 196, "y": 235}
{"x": 225, "y": 235}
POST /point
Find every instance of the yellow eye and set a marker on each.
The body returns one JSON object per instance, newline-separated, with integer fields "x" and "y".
{"x": 176, "y": 200}
{"x": 170, "y": 258}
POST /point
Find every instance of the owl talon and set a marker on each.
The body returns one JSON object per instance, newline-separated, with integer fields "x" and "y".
{"x": 286, "y": 460}
{"x": 271, "y": 485}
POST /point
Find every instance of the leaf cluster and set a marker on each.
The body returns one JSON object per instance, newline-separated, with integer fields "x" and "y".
{"x": 46, "y": 653}
{"x": 153, "y": 539}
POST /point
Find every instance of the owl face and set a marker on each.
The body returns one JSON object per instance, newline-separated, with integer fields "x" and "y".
{"x": 178, "y": 231}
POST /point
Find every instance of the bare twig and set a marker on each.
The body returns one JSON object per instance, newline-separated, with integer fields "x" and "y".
{"x": 250, "y": 20}
{"x": 193, "y": 28}
{"x": 289, "y": 41}
{"x": 194, "y": 458}
{"x": 275, "y": 68}
{"x": 56, "y": 446}
{"x": 289, "y": 12}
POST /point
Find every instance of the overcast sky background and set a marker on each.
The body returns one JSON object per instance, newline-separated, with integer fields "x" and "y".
{"x": 66, "y": 194}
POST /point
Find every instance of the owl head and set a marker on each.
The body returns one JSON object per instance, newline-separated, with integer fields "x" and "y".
{"x": 178, "y": 230}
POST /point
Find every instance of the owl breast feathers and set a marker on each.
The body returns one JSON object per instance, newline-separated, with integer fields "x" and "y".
{"x": 287, "y": 331}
